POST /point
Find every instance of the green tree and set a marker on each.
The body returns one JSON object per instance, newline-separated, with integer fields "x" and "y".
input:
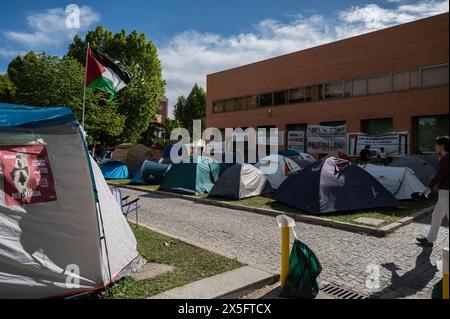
{"x": 43, "y": 80}
{"x": 137, "y": 102}
{"x": 7, "y": 89}
{"x": 191, "y": 108}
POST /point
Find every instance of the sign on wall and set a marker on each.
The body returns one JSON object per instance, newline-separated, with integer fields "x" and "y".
{"x": 395, "y": 144}
{"x": 296, "y": 141}
{"x": 325, "y": 139}
{"x": 25, "y": 175}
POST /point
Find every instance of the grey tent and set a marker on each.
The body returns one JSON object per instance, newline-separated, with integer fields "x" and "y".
{"x": 422, "y": 169}
{"x": 430, "y": 158}
{"x": 241, "y": 181}
{"x": 334, "y": 185}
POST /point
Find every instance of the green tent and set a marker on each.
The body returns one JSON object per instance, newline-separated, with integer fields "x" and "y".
{"x": 196, "y": 176}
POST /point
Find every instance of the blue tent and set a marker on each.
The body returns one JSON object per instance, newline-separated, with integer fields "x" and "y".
{"x": 288, "y": 153}
{"x": 113, "y": 169}
{"x": 150, "y": 173}
{"x": 334, "y": 185}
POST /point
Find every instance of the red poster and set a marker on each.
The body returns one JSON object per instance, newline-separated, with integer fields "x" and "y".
{"x": 26, "y": 175}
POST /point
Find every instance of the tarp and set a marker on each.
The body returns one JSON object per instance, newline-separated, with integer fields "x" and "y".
{"x": 151, "y": 173}
{"x": 73, "y": 241}
{"x": 423, "y": 169}
{"x": 277, "y": 168}
{"x": 399, "y": 181}
{"x": 197, "y": 177}
{"x": 113, "y": 169}
{"x": 241, "y": 181}
{"x": 334, "y": 185}
{"x": 132, "y": 155}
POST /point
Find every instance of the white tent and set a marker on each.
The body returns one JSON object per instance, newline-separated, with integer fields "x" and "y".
{"x": 277, "y": 168}
{"x": 61, "y": 232}
{"x": 400, "y": 181}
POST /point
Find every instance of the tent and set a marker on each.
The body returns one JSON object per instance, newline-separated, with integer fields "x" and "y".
{"x": 61, "y": 232}
{"x": 334, "y": 185}
{"x": 132, "y": 155}
{"x": 113, "y": 169}
{"x": 399, "y": 181}
{"x": 423, "y": 170}
{"x": 196, "y": 175}
{"x": 277, "y": 168}
{"x": 241, "y": 181}
{"x": 432, "y": 159}
{"x": 150, "y": 173}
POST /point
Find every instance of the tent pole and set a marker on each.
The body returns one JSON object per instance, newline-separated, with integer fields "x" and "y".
{"x": 104, "y": 238}
{"x": 85, "y": 81}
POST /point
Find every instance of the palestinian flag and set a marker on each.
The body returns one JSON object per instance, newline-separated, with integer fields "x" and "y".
{"x": 105, "y": 73}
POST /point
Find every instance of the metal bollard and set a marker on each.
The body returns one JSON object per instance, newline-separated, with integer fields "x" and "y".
{"x": 445, "y": 273}
{"x": 285, "y": 223}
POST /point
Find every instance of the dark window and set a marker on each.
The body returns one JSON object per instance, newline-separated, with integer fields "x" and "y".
{"x": 334, "y": 90}
{"x": 314, "y": 93}
{"x": 377, "y": 126}
{"x": 252, "y": 102}
{"x": 414, "y": 79}
{"x": 435, "y": 76}
{"x": 380, "y": 84}
{"x": 359, "y": 87}
{"x": 334, "y": 123}
{"x": 401, "y": 81}
{"x": 239, "y": 104}
{"x": 427, "y": 128}
{"x": 229, "y": 105}
{"x": 348, "y": 88}
{"x": 265, "y": 100}
{"x": 297, "y": 96}
{"x": 218, "y": 106}
{"x": 280, "y": 98}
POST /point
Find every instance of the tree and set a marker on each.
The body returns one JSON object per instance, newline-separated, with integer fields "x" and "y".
{"x": 7, "y": 89}
{"x": 43, "y": 80}
{"x": 137, "y": 102}
{"x": 191, "y": 108}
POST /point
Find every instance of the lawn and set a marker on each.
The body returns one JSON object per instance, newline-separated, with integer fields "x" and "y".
{"x": 191, "y": 264}
{"x": 389, "y": 215}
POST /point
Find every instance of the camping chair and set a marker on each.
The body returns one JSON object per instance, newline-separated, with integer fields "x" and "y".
{"x": 125, "y": 206}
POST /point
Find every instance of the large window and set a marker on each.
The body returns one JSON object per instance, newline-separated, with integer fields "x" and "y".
{"x": 435, "y": 76}
{"x": 217, "y": 106}
{"x": 401, "y": 81}
{"x": 427, "y": 128}
{"x": 265, "y": 100}
{"x": 379, "y": 84}
{"x": 334, "y": 90}
{"x": 297, "y": 96}
{"x": 280, "y": 98}
{"x": 229, "y": 105}
{"x": 314, "y": 93}
{"x": 377, "y": 126}
{"x": 414, "y": 79}
{"x": 348, "y": 88}
{"x": 239, "y": 104}
{"x": 252, "y": 102}
{"x": 359, "y": 87}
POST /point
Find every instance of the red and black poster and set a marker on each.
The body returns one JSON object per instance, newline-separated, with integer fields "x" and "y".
{"x": 25, "y": 175}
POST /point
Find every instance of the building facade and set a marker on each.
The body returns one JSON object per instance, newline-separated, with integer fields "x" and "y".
{"x": 394, "y": 79}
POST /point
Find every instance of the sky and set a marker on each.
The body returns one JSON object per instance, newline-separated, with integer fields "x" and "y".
{"x": 198, "y": 37}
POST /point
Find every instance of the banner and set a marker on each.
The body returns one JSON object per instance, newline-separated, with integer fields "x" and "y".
{"x": 395, "y": 144}
{"x": 325, "y": 139}
{"x": 25, "y": 175}
{"x": 296, "y": 141}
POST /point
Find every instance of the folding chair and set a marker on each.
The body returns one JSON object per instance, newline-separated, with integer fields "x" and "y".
{"x": 125, "y": 206}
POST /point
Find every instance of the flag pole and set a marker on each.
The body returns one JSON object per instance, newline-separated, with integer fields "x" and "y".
{"x": 85, "y": 80}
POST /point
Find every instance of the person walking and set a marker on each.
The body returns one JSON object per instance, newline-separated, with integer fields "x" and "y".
{"x": 441, "y": 180}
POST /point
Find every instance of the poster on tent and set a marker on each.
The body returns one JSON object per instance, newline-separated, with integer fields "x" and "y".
{"x": 296, "y": 141}
{"x": 395, "y": 143}
{"x": 326, "y": 139}
{"x": 25, "y": 175}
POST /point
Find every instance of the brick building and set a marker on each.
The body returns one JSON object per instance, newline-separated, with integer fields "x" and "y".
{"x": 394, "y": 79}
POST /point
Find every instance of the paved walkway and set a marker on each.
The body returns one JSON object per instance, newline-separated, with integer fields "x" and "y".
{"x": 405, "y": 270}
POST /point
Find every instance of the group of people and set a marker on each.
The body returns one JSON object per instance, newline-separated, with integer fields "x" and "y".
{"x": 368, "y": 156}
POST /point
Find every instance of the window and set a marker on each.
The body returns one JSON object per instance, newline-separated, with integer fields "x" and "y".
{"x": 252, "y": 102}
{"x": 377, "y": 126}
{"x": 265, "y": 100}
{"x": 333, "y": 124}
{"x": 427, "y": 128}
{"x": 280, "y": 98}
{"x": 401, "y": 81}
{"x": 297, "y": 96}
{"x": 239, "y": 104}
{"x": 379, "y": 84}
{"x": 218, "y": 106}
{"x": 333, "y": 90}
{"x": 229, "y": 105}
{"x": 414, "y": 79}
{"x": 359, "y": 87}
{"x": 314, "y": 93}
{"x": 348, "y": 88}
{"x": 435, "y": 76}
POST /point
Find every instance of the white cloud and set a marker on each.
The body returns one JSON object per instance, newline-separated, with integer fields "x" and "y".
{"x": 189, "y": 56}
{"x": 48, "y": 28}
{"x": 7, "y": 53}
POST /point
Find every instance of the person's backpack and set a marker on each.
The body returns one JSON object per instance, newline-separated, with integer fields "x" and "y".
{"x": 304, "y": 268}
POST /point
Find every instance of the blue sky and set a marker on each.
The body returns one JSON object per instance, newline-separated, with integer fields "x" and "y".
{"x": 198, "y": 37}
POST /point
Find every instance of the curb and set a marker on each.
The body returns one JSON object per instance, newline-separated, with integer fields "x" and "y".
{"x": 355, "y": 228}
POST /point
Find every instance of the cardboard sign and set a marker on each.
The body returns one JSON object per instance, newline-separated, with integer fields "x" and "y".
{"x": 395, "y": 144}
{"x": 296, "y": 141}
{"x": 25, "y": 175}
{"x": 325, "y": 139}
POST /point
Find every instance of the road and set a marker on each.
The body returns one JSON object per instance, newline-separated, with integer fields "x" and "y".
{"x": 391, "y": 267}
